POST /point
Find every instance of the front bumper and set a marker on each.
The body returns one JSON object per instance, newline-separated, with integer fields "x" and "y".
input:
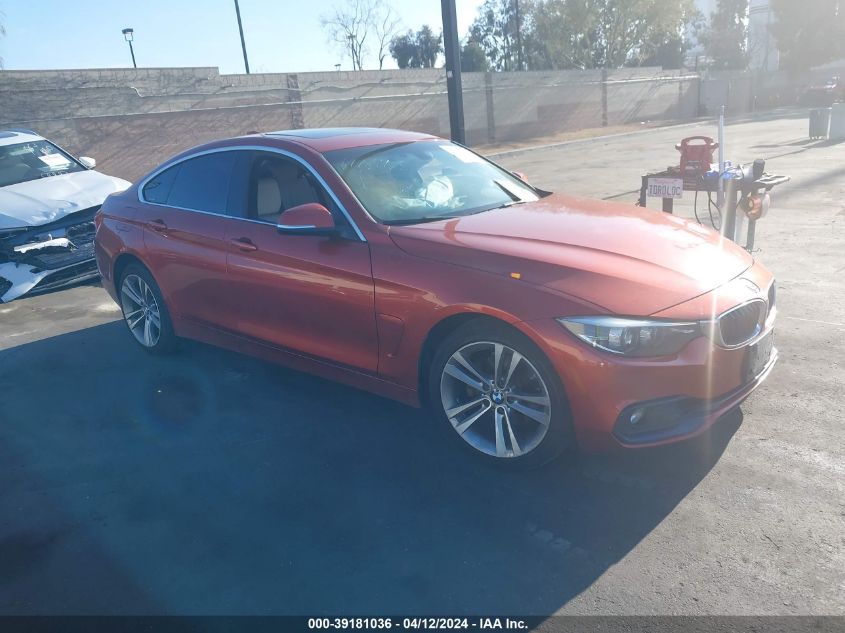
{"x": 47, "y": 257}
{"x": 23, "y": 278}
{"x": 691, "y": 390}
{"x": 681, "y": 417}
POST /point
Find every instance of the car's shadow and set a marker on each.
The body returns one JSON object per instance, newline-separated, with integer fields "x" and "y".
{"x": 209, "y": 482}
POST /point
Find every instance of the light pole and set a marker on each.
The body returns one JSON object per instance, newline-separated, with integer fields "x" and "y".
{"x": 129, "y": 34}
{"x": 241, "y": 30}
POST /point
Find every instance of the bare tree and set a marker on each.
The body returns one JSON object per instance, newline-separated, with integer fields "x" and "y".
{"x": 2, "y": 33}
{"x": 352, "y": 25}
{"x": 349, "y": 26}
{"x": 385, "y": 26}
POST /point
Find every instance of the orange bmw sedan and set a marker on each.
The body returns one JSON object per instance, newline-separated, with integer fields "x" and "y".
{"x": 409, "y": 266}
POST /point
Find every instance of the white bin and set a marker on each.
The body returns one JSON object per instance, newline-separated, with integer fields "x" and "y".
{"x": 820, "y": 123}
{"x": 837, "y": 122}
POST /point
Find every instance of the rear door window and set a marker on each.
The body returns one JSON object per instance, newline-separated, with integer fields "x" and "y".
{"x": 158, "y": 188}
{"x": 202, "y": 183}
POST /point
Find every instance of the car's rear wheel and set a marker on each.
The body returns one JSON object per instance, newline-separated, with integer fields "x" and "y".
{"x": 144, "y": 310}
{"x": 499, "y": 395}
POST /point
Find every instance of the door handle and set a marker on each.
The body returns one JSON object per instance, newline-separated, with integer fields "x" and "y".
{"x": 157, "y": 225}
{"x": 243, "y": 243}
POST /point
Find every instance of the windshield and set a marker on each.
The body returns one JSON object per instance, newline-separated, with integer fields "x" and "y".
{"x": 30, "y": 161}
{"x": 407, "y": 183}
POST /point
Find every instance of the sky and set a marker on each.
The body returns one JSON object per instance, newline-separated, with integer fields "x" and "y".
{"x": 281, "y": 35}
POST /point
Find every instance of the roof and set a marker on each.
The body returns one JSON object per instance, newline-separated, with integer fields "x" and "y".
{"x": 320, "y": 140}
{"x": 10, "y": 137}
{"x": 331, "y": 138}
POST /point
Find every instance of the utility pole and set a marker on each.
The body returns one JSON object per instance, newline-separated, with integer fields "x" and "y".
{"x": 768, "y": 35}
{"x": 518, "y": 38}
{"x": 241, "y": 30}
{"x": 452, "y": 48}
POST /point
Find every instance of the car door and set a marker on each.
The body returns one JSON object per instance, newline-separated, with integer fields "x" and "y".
{"x": 310, "y": 294}
{"x": 185, "y": 210}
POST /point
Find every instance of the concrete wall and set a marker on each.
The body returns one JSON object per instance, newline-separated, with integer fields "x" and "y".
{"x": 130, "y": 120}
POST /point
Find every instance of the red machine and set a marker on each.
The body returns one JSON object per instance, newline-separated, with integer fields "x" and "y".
{"x": 696, "y": 155}
{"x": 744, "y": 187}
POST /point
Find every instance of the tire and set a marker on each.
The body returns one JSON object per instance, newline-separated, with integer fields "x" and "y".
{"x": 522, "y": 422}
{"x": 144, "y": 311}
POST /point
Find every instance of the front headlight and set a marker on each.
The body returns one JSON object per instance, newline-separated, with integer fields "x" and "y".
{"x": 633, "y": 337}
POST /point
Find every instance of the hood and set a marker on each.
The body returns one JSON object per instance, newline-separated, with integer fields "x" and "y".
{"x": 628, "y": 260}
{"x": 47, "y": 199}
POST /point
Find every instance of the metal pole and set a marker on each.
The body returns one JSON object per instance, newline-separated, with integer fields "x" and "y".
{"x": 604, "y": 97}
{"x": 728, "y": 228}
{"x": 453, "y": 70}
{"x": 720, "y": 196}
{"x": 241, "y": 30}
{"x": 132, "y": 52}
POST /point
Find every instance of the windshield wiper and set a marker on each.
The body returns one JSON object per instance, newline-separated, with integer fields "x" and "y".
{"x": 510, "y": 194}
{"x": 420, "y": 220}
{"x": 507, "y": 204}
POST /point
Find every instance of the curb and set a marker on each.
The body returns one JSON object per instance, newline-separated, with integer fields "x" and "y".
{"x": 581, "y": 141}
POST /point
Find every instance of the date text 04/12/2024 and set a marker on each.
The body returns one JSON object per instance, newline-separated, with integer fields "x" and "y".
{"x": 430, "y": 623}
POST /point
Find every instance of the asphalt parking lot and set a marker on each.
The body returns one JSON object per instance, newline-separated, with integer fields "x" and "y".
{"x": 208, "y": 482}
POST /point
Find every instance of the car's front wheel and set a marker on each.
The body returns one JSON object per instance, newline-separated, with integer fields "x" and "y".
{"x": 499, "y": 395}
{"x": 144, "y": 310}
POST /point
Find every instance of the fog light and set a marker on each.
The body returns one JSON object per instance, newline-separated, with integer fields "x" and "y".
{"x": 644, "y": 422}
{"x": 636, "y": 416}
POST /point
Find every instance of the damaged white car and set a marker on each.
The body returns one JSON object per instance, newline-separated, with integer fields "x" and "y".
{"x": 48, "y": 199}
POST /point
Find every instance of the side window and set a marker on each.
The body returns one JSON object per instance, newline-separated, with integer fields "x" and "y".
{"x": 202, "y": 183}
{"x": 157, "y": 189}
{"x": 278, "y": 183}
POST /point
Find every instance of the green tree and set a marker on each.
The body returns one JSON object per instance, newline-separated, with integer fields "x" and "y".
{"x": 725, "y": 39}
{"x": 428, "y": 46}
{"x": 473, "y": 59}
{"x": 499, "y": 29}
{"x": 566, "y": 34}
{"x": 629, "y": 31}
{"x": 669, "y": 54}
{"x": 403, "y": 48}
{"x": 579, "y": 33}
{"x": 808, "y": 34}
{"x": 416, "y": 50}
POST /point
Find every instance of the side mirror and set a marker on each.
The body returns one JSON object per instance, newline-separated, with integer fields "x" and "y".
{"x": 521, "y": 176}
{"x": 87, "y": 162}
{"x": 311, "y": 218}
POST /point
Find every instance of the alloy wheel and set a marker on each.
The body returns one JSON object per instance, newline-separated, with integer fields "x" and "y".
{"x": 141, "y": 310}
{"x": 495, "y": 399}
